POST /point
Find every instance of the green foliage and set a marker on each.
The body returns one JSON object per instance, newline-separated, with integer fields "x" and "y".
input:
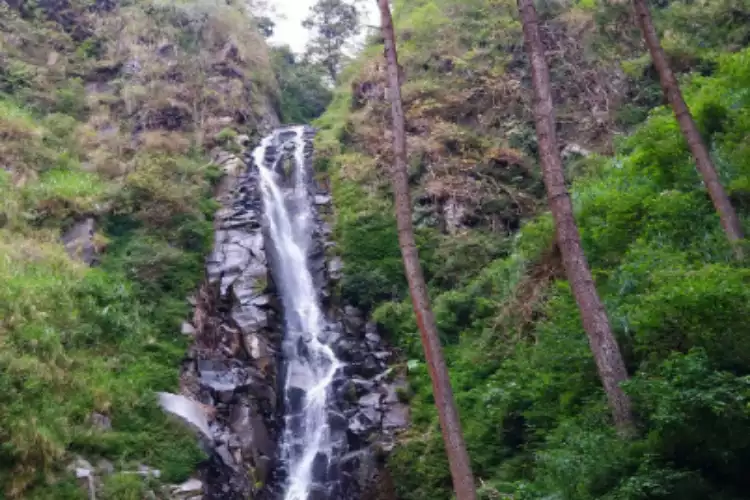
{"x": 369, "y": 244}
{"x": 333, "y": 23}
{"x": 71, "y": 99}
{"x": 79, "y": 139}
{"x": 124, "y": 487}
{"x": 61, "y": 193}
{"x": 304, "y": 95}
{"x": 534, "y": 414}
{"x": 74, "y": 340}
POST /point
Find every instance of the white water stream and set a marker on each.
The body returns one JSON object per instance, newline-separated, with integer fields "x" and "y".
{"x": 310, "y": 363}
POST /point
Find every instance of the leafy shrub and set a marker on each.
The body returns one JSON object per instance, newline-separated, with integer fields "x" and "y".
{"x": 534, "y": 415}
{"x": 62, "y": 193}
{"x": 71, "y": 99}
{"x": 77, "y": 341}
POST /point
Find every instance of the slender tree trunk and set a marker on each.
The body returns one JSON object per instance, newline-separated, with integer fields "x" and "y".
{"x": 458, "y": 458}
{"x": 609, "y": 362}
{"x": 729, "y": 220}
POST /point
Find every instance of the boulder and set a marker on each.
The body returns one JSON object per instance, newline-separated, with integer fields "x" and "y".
{"x": 79, "y": 241}
{"x": 251, "y": 430}
{"x": 396, "y": 416}
{"x": 189, "y": 411}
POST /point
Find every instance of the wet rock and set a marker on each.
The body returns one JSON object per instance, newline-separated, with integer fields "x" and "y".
{"x": 320, "y": 468}
{"x": 347, "y": 392}
{"x": 372, "y": 338}
{"x": 257, "y": 347}
{"x": 221, "y": 378}
{"x": 364, "y": 421}
{"x": 318, "y": 492}
{"x": 261, "y": 300}
{"x": 382, "y": 355}
{"x": 251, "y": 430}
{"x": 353, "y": 322}
{"x": 337, "y": 421}
{"x": 369, "y": 367}
{"x": 250, "y": 318}
{"x": 357, "y": 468}
{"x": 396, "y": 417}
{"x": 335, "y": 268}
{"x": 226, "y": 456}
{"x": 371, "y": 400}
{"x": 295, "y": 399}
{"x": 349, "y": 350}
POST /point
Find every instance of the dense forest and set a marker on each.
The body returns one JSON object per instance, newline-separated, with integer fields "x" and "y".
{"x": 111, "y": 116}
{"x": 533, "y": 410}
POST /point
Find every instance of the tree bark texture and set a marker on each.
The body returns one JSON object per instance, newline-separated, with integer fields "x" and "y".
{"x": 609, "y": 362}
{"x": 728, "y": 216}
{"x": 458, "y": 458}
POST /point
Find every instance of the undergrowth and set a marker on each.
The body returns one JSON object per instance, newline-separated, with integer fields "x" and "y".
{"x": 534, "y": 414}
{"x": 532, "y": 408}
{"x": 79, "y": 341}
{"x": 107, "y": 114}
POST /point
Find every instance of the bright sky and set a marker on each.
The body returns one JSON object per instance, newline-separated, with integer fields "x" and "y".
{"x": 290, "y": 31}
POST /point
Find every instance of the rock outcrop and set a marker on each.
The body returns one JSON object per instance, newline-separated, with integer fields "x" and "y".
{"x": 79, "y": 241}
{"x": 233, "y": 369}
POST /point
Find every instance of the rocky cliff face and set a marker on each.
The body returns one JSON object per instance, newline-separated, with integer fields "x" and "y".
{"x": 233, "y": 368}
{"x": 114, "y": 118}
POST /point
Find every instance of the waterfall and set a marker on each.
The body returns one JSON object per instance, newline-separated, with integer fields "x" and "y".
{"x": 310, "y": 364}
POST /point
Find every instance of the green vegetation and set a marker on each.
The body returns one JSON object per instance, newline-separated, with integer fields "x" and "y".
{"x": 303, "y": 93}
{"x": 82, "y": 138}
{"x": 109, "y": 115}
{"x": 78, "y": 341}
{"x": 534, "y": 413}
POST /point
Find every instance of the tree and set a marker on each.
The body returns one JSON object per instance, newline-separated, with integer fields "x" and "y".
{"x": 303, "y": 93}
{"x": 458, "y": 458}
{"x": 266, "y": 25}
{"x": 728, "y": 216}
{"x": 264, "y": 13}
{"x": 609, "y": 362}
{"x": 333, "y": 24}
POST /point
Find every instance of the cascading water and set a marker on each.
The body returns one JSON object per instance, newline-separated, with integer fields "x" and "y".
{"x": 310, "y": 363}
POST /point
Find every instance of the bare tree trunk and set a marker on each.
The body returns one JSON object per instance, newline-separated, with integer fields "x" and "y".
{"x": 609, "y": 362}
{"x": 729, "y": 220}
{"x": 458, "y": 458}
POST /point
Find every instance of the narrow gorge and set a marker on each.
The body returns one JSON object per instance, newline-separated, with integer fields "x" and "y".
{"x": 289, "y": 387}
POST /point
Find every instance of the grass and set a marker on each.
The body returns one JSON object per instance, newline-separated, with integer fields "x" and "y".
{"x": 75, "y": 341}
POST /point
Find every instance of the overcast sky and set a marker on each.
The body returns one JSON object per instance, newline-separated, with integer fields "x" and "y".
{"x": 290, "y": 31}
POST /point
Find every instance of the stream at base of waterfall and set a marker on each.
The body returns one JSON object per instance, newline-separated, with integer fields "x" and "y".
{"x": 308, "y": 445}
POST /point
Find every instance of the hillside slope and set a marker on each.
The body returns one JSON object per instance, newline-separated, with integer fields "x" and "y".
{"x": 533, "y": 411}
{"x": 108, "y": 113}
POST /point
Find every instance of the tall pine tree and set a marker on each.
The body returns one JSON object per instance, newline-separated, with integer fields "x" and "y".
{"x": 727, "y": 214}
{"x": 333, "y": 23}
{"x": 609, "y": 362}
{"x": 458, "y": 458}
